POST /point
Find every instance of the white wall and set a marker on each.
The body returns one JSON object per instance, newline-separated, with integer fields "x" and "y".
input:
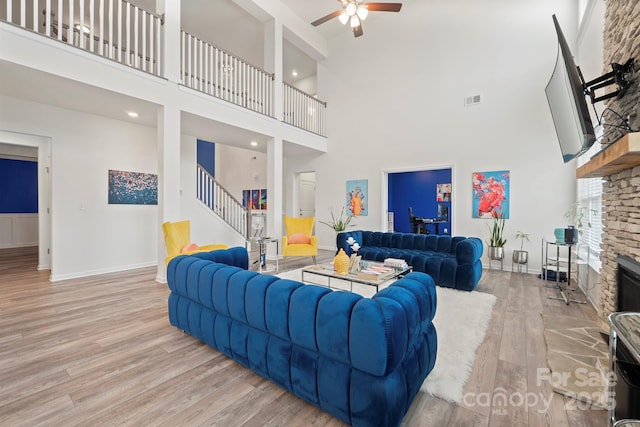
{"x": 249, "y": 169}
{"x": 396, "y": 101}
{"x": 90, "y": 236}
{"x": 18, "y": 230}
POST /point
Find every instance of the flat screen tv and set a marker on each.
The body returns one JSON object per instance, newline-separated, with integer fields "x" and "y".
{"x": 568, "y": 103}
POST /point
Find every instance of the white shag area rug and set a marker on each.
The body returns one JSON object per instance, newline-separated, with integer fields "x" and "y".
{"x": 461, "y": 324}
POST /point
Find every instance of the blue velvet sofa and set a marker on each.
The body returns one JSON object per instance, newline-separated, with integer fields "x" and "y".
{"x": 452, "y": 262}
{"x": 362, "y": 360}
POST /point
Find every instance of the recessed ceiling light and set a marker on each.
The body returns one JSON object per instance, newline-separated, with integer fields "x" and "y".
{"x": 254, "y": 144}
{"x": 132, "y": 114}
{"x": 294, "y": 73}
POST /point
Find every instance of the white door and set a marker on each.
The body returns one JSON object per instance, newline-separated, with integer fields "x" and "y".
{"x": 307, "y": 194}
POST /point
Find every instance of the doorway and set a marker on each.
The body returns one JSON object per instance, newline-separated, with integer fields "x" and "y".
{"x": 43, "y": 147}
{"x": 428, "y": 192}
{"x": 306, "y": 195}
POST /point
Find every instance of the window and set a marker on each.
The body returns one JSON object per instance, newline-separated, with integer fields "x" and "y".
{"x": 589, "y": 199}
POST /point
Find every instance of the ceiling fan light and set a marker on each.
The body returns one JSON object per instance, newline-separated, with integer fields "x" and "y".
{"x": 355, "y": 21}
{"x": 362, "y": 12}
{"x": 351, "y": 8}
{"x": 343, "y": 18}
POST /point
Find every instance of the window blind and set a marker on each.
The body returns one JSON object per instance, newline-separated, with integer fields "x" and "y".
{"x": 589, "y": 199}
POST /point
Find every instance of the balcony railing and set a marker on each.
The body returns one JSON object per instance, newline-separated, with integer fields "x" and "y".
{"x": 303, "y": 110}
{"x": 216, "y": 72}
{"x": 123, "y": 32}
{"x": 114, "y": 29}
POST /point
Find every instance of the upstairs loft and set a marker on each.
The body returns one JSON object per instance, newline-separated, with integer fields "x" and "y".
{"x": 137, "y": 38}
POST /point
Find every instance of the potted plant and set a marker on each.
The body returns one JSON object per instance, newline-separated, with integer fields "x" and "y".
{"x": 521, "y": 256}
{"x": 338, "y": 224}
{"x": 575, "y": 216}
{"x": 496, "y": 240}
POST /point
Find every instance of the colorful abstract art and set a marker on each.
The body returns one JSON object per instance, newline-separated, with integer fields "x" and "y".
{"x": 357, "y": 197}
{"x": 443, "y": 192}
{"x": 490, "y": 194}
{"x": 255, "y": 199}
{"x": 132, "y": 188}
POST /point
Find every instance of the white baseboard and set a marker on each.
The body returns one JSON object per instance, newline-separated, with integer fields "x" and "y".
{"x": 58, "y": 277}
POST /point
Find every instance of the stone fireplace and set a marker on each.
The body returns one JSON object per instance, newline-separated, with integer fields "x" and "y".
{"x": 621, "y": 190}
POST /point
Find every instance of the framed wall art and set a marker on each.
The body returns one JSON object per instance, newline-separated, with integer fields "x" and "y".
{"x": 490, "y": 194}
{"x": 132, "y": 188}
{"x": 357, "y": 197}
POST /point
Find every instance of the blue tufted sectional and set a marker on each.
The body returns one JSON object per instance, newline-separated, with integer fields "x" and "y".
{"x": 363, "y": 360}
{"x": 452, "y": 262}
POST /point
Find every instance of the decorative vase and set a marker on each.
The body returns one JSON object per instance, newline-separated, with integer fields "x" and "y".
{"x": 520, "y": 257}
{"x": 341, "y": 262}
{"x": 496, "y": 252}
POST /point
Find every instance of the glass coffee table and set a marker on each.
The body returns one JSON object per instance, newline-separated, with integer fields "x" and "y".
{"x": 327, "y": 271}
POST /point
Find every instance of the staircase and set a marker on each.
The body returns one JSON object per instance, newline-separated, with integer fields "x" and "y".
{"x": 222, "y": 203}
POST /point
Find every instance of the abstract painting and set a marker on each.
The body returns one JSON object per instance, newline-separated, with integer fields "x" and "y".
{"x": 443, "y": 192}
{"x": 490, "y": 194}
{"x": 263, "y": 199}
{"x": 255, "y": 199}
{"x": 357, "y": 197}
{"x": 132, "y": 188}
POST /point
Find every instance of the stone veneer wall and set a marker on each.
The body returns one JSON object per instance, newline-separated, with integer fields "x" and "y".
{"x": 621, "y": 191}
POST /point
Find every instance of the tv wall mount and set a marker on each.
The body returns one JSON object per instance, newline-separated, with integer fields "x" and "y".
{"x": 621, "y": 75}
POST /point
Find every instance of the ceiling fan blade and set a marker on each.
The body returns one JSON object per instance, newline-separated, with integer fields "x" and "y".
{"x": 326, "y": 18}
{"x": 384, "y": 7}
{"x": 357, "y": 31}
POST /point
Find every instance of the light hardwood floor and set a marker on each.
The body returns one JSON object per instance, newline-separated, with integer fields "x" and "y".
{"x": 100, "y": 351}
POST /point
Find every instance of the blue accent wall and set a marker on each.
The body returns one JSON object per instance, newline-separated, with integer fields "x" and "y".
{"x": 418, "y": 191}
{"x": 206, "y": 155}
{"x": 18, "y": 186}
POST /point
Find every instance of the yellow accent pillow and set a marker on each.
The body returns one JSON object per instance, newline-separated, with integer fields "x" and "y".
{"x": 190, "y": 248}
{"x": 299, "y": 238}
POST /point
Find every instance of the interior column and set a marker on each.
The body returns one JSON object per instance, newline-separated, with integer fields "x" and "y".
{"x": 273, "y": 64}
{"x": 171, "y": 38}
{"x": 168, "y": 130}
{"x": 168, "y": 137}
{"x": 275, "y": 164}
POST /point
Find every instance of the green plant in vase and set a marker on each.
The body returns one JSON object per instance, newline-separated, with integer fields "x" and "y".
{"x": 496, "y": 240}
{"x": 575, "y": 216}
{"x": 338, "y": 224}
{"x": 521, "y": 256}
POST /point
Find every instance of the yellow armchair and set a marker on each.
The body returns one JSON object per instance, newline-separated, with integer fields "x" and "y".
{"x": 177, "y": 235}
{"x": 299, "y": 240}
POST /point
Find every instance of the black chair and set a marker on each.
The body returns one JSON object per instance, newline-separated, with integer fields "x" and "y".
{"x": 417, "y": 223}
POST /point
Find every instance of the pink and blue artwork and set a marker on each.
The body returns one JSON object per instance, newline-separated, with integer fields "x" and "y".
{"x": 491, "y": 194}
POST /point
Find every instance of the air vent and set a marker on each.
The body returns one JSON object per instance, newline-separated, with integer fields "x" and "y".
{"x": 471, "y": 100}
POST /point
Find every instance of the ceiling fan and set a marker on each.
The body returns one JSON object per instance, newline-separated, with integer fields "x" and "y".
{"x": 356, "y": 11}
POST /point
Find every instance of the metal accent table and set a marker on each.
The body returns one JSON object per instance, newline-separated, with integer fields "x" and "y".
{"x": 262, "y": 251}
{"x": 562, "y": 262}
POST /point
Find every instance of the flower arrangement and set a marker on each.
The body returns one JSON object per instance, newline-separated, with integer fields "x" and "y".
{"x": 353, "y": 244}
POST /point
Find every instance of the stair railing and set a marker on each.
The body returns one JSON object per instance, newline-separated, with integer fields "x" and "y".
{"x": 222, "y": 203}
